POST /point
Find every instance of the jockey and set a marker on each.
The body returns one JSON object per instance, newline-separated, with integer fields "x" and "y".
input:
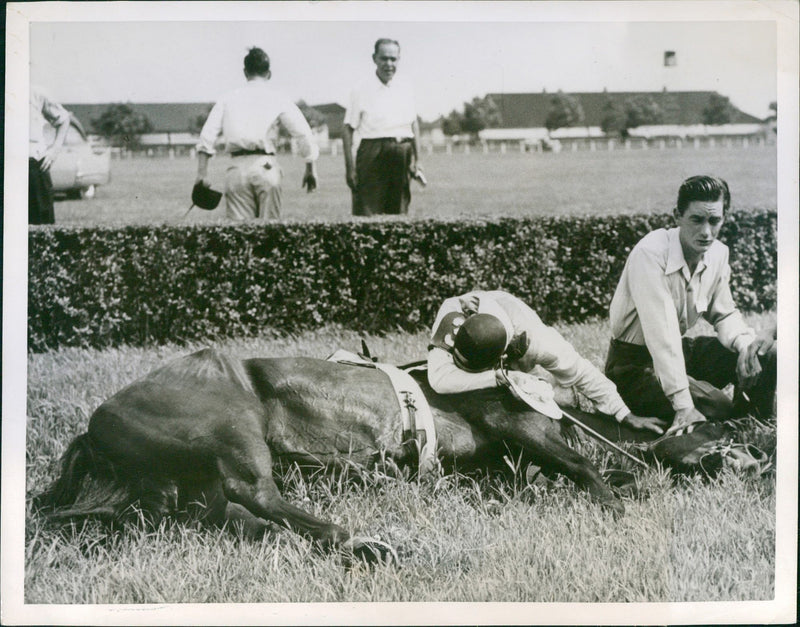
{"x": 474, "y": 332}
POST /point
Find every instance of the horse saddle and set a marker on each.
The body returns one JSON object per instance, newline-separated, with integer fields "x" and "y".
{"x": 414, "y": 409}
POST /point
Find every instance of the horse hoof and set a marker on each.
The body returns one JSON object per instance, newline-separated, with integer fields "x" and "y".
{"x": 371, "y": 551}
{"x": 615, "y": 506}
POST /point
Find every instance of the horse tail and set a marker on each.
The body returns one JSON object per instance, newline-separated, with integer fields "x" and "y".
{"x": 88, "y": 485}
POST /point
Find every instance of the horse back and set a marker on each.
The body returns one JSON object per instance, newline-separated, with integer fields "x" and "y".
{"x": 173, "y": 419}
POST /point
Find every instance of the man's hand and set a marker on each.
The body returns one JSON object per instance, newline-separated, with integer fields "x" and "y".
{"x": 49, "y": 156}
{"x": 685, "y": 421}
{"x": 350, "y": 177}
{"x": 309, "y": 182}
{"x": 748, "y": 367}
{"x": 501, "y": 379}
{"x": 645, "y": 423}
{"x": 469, "y": 304}
{"x": 417, "y": 174}
{"x": 310, "y": 177}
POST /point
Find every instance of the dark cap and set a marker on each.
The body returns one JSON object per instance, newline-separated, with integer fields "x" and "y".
{"x": 479, "y": 343}
{"x": 205, "y": 197}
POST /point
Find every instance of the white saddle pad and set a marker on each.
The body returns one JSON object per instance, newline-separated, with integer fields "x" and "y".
{"x": 409, "y": 397}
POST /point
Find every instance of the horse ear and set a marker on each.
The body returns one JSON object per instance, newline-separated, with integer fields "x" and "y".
{"x": 365, "y": 352}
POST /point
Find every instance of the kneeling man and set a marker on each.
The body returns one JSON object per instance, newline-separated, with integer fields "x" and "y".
{"x": 472, "y": 333}
{"x": 671, "y": 279}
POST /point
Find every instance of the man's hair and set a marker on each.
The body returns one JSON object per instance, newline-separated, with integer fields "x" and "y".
{"x": 383, "y": 41}
{"x": 256, "y": 63}
{"x": 705, "y": 188}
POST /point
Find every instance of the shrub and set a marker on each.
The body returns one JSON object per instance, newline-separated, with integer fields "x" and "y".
{"x": 153, "y": 284}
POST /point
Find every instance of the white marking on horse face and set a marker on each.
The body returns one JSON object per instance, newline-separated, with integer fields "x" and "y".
{"x": 457, "y": 322}
{"x": 448, "y": 339}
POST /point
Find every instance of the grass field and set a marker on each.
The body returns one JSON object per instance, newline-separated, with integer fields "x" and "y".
{"x": 157, "y": 189}
{"x": 459, "y": 539}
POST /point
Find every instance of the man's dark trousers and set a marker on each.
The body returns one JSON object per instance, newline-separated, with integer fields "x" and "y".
{"x": 383, "y": 177}
{"x": 710, "y": 367}
{"x": 40, "y": 195}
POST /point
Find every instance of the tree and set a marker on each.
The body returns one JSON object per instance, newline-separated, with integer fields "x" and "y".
{"x": 196, "y": 124}
{"x": 719, "y": 110}
{"x": 773, "y": 106}
{"x": 614, "y": 119}
{"x": 479, "y": 114}
{"x": 121, "y": 126}
{"x": 642, "y": 111}
{"x": 451, "y": 125}
{"x": 565, "y": 110}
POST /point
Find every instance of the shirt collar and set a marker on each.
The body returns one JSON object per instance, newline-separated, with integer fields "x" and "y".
{"x": 675, "y": 259}
{"x": 388, "y": 85}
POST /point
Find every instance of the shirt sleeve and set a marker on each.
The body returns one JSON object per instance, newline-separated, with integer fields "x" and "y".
{"x": 560, "y": 359}
{"x": 211, "y": 130}
{"x": 448, "y": 306}
{"x": 54, "y": 112}
{"x": 295, "y": 122}
{"x": 655, "y": 307}
{"x": 352, "y": 116}
{"x": 447, "y": 378}
{"x": 732, "y": 331}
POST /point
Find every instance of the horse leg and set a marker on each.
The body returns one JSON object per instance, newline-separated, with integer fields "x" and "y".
{"x": 546, "y": 447}
{"x": 245, "y": 471}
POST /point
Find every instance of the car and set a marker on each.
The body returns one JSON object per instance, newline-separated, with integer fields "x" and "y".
{"x": 80, "y": 166}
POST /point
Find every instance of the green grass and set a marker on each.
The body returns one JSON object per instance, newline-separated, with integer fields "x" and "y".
{"x": 157, "y": 189}
{"x": 459, "y": 538}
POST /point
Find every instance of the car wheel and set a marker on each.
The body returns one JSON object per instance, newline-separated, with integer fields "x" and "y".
{"x": 89, "y": 191}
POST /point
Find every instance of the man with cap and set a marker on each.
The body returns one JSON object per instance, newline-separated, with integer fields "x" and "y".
{"x": 474, "y": 332}
{"x": 246, "y": 117}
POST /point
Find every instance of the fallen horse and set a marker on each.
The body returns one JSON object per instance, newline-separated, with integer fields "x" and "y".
{"x": 212, "y": 429}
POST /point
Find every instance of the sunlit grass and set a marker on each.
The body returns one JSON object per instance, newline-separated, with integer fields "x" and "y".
{"x": 156, "y": 190}
{"x": 459, "y": 538}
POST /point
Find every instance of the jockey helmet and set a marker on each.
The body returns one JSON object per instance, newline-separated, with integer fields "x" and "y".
{"x": 479, "y": 343}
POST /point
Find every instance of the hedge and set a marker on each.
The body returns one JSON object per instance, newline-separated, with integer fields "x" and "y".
{"x": 137, "y": 285}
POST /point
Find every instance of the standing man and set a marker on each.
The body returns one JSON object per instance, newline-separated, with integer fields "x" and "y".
{"x": 244, "y": 117}
{"x": 671, "y": 279}
{"x": 383, "y": 113}
{"x": 43, "y": 110}
{"x": 472, "y": 333}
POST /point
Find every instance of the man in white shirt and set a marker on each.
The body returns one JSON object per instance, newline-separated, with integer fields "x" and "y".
{"x": 246, "y": 118}
{"x": 383, "y": 114}
{"x": 473, "y": 332}
{"x": 672, "y": 278}
{"x": 43, "y": 110}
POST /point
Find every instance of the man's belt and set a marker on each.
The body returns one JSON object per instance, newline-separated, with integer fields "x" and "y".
{"x": 244, "y": 153}
{"x": 391, "y": 140}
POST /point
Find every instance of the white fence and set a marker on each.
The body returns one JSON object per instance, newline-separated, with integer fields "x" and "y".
{"x": 602, "y": 144}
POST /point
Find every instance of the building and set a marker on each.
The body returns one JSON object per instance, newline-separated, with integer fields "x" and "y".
{"x": 524, "y": 115}
{"x": 176, "y": 125}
